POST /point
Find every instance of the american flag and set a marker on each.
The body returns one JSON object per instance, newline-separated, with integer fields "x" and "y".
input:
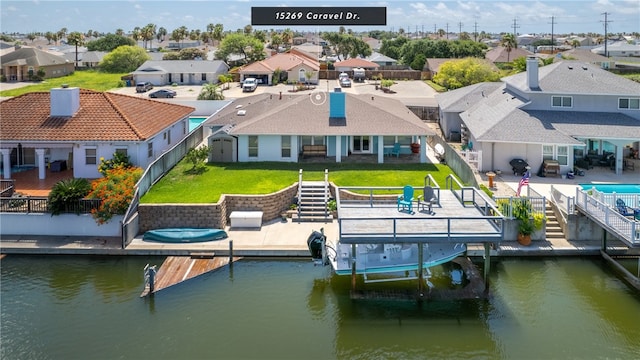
{"x": 524, "y": 181}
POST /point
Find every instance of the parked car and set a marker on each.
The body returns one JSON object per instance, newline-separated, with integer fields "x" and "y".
{"x": 345, "y": 82}
{"x": 249, "y": 84}
{"x": 143, "y": 87}
{"x": 343, "y": 76}
{"x": 163, "y": 93}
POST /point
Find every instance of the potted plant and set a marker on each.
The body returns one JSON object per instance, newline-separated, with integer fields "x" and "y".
{"x": 332, "y": 207}
{"x": 528, "y": 220}
{"x": 415, "y": 148}
{"x": 525, "y": 229}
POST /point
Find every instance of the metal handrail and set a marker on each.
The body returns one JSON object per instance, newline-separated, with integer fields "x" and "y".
{"x": 627, "y": 230}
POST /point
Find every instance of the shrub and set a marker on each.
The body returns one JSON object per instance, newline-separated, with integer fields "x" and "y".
{"x": 65, "y": 194}
{"x": 197, "y": 156}
{"x": 116, "y": 191}
{"x": 118, "y": 160}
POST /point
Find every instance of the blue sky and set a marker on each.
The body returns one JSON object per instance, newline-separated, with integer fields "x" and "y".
{"x": 491, "y": 16}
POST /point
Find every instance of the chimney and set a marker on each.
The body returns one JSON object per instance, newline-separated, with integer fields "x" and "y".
{"x": 337, "y": 108}
{"x": 532, "y": 73}
{"x": 65, "y": 101}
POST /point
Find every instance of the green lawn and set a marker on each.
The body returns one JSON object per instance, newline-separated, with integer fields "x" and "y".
{"x": 180, "y": 186}
{"x": 85, "y": 79}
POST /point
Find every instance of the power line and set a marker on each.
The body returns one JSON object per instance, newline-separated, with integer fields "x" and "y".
{"x": 515, "y": 26}
{"x": 552, "y": 41}
{"x": 606, "y": 22}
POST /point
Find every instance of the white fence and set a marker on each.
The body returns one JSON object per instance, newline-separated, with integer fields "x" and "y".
{"x": 606, "y": 214}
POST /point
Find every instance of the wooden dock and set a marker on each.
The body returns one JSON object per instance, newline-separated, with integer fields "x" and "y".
{"x": 176, "y": 269}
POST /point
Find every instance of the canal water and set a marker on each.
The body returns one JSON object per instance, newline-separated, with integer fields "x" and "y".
{"x": 89, "y": 308}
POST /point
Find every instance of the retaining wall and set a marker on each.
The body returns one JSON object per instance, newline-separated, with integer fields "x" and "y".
{"x": 158, "y": 216}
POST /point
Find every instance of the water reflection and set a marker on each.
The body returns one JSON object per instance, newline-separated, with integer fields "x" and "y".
{"x": 288, "y": 309}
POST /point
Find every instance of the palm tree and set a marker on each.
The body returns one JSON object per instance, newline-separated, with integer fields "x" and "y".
{"x": 61, "y": 33}
{"x": 148, "y": 32}
{"x": 509, "y": 42}
{"x": 211, "y": 92}
{"x": 76, "y": 38}
{"x": 161, "y": 34}
{"x": 287, "y": 37}
{"x": 119, "y": 32}
{"x": 217, "y": 33}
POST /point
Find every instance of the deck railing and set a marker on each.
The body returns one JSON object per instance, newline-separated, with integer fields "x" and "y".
{"x": 626, "y": 229}
{"x": 40, "y": 204}
{"x": 565, "y": 204}
{"x": 448, "y": 229}
{"x": 440, "y": 228}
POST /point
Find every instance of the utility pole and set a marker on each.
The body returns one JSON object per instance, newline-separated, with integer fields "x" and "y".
{"x": 447, "y": 31}
{"x": 460, "y": 29}
{"x": 606, "y": 22}
{"x": 475, "y": 31}
{"x": 515, "y": 26}
{"x": 552, "y": 41}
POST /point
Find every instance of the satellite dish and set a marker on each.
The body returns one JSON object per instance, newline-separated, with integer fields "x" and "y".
{"x": 439, "y": 149}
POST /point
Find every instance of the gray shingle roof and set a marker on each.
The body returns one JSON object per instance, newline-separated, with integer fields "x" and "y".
{"x": 575, "y": 77}
{"x": 498, "y": 118}
{"x": 461, "y": 99}
{"x": 182, "y": 66}
{"x": 298, "y": 115}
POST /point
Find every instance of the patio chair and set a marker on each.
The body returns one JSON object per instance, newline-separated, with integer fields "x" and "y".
{"x": 427, "y": 199}
{"x": 396, "y": 150}
{"x": 405, "y": 201}
{"x": 625, "y": 210}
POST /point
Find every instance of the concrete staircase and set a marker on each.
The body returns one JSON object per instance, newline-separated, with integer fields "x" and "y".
{"x": 553, "y": 231}
{"x": 312, "y": 204}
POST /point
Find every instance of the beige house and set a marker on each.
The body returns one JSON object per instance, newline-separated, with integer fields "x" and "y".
{"x": 21, "y": 64}
{"x": 293, "y": 66}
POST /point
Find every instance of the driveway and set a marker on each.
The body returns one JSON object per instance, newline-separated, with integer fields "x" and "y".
{"x": 409, "y": 92}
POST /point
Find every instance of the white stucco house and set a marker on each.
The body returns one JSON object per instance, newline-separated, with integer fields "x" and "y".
{"x": 181, "y": 72}
{"x": 269, "y": 127}
{"x": 567, "y": 111}
{"x": 73, "y": 128}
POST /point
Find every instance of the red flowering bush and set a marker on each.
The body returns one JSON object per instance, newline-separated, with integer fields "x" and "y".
{"x": 116, "y": 190}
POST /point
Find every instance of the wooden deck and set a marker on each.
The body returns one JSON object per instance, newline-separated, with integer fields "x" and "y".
{"x": 450, "y": 221}
{"x": 176, "y": 269}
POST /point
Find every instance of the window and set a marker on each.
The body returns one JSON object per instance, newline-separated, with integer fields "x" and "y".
{"x": 563, "y": 155}
{"x": 150, "y": 149}
{"x": 312, "y": 140}
{"x": 122, "y": 151}
{"x": 204, "y": 77}
{"x": 90, "y": 156}
{"x": 253, "y": 146}
{"x": 547, "y": 152}
{"x": 561, "y": 101}
{"x": 559, "y": 153}
{"x": 285, "y": 144}
{"x": 318, "y": 140}
{"x": 168, "y": 133}
{"x": 629, "y": 103}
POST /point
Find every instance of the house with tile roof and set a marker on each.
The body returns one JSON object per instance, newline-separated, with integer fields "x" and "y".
{"x": 293, "y": 66}
{"x": 567, "y": 111}
{"x": 78, "y": 127}
{"x": 268, "y": 127}
{"x": 21, "y": 64}
{"x": 181, "y": 72}
{"x": 352, "y": 63}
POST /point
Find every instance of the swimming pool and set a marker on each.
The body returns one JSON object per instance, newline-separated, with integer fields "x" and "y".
{"x": 194, "y": 121}
{"x": 611, "y": 188}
